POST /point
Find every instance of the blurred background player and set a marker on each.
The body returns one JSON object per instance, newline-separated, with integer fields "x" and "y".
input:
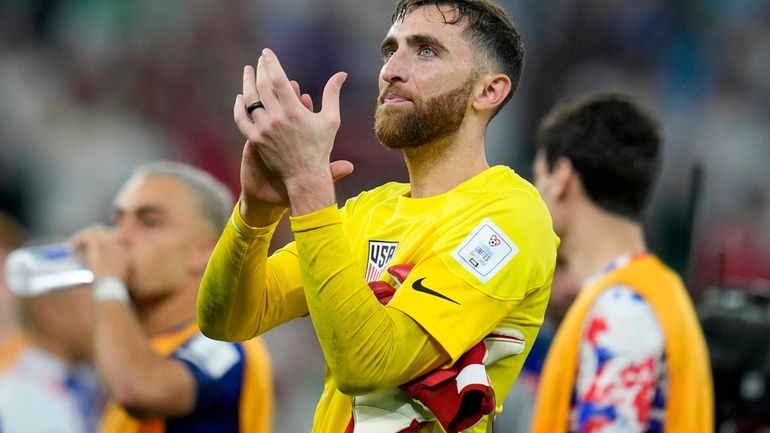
{"x": 49, "y": 385}
{"x": 160, "y": 372}
{"x": 46, "y": 381}
{"x": 630, "y": 354}
{"x": 11, "y": 339}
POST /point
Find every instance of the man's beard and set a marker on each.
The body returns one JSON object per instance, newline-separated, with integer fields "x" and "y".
{"x": 429, "y": 121}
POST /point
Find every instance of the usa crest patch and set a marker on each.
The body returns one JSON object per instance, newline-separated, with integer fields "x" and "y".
{"x": 380, "y": 255}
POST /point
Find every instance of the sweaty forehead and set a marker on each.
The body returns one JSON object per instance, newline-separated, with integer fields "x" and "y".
{"x": 427, "y": 25}
{"x": 439, "y": 13}
{"x": 441, "y": 18}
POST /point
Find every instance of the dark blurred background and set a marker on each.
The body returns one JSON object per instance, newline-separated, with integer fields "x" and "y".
{"x": 90, "y": 88}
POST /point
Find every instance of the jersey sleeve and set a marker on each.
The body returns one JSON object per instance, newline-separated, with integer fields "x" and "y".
{"x": 217, "y": 368}
{"x": 505, "y": 254}
{"x": 482, "y": 272}
{"x": 454, "y": 313}
{"x": 621, "y": 368}
{"x": 243, "y": 293}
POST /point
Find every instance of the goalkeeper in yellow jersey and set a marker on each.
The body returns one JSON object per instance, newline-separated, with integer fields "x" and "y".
{"x": 469, "y": 247}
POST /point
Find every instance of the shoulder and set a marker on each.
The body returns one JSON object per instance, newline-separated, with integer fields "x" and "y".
{"x": 213, "y": 358}
{"x": 500, "y": 180}
{"x": 620, "y": 315}
{"x": 499, "y": 229}
{"x": 507, "y": 199}
{"x": 621, "y": 297}
{"x": 366, "y": 199}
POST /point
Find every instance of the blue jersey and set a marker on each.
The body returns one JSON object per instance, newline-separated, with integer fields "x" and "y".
{"x": 233, "y": 387}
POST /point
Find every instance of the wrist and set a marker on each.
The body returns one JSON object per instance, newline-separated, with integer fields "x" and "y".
{"x": 310, "y": 191}
{"x": 110, "y": 289}
{"x": 258, "y": 215}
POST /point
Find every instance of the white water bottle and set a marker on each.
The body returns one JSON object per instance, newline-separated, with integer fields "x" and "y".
{"x": 31, "y": 271}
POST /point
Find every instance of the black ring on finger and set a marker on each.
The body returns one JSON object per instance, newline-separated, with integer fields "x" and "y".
{"x": 253, "y": 106}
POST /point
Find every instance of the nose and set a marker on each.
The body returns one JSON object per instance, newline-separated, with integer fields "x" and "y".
{"x": 122, "y": 233}
{"x": 397, "y": 68}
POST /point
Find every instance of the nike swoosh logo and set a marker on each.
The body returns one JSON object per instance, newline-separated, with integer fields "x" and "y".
{"x": 417, "y": 285}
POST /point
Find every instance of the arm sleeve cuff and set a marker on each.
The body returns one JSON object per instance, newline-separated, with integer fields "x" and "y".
{"x": 313, "y": 220}
{"x": 246, "y": 231}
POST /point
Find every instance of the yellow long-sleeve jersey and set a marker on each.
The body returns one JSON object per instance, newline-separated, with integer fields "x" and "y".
{"x": 483, "y": 256}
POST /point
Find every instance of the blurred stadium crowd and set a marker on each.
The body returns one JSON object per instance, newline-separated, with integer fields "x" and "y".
{"x": 90, "y": 88}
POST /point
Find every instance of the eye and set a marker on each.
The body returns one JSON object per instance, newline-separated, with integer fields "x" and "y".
{"x": 150, "y": 222}
{"x": 427, "y": 52}
{"x": 387, "y": 53}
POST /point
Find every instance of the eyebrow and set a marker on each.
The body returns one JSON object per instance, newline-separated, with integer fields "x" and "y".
{"x": 141, "y": 211}
{"x": 413, "y": 40}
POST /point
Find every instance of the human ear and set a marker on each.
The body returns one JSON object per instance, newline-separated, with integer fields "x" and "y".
{"x": 563, "y": 175}
{"x": 496, "y": 88}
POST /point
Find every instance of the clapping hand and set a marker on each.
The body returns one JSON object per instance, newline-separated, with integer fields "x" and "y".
{"x": 288, "y": 144}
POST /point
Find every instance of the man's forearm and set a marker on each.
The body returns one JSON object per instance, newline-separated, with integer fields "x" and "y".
{"x": 230, "y": 299}
{"x": 145, "y": 383}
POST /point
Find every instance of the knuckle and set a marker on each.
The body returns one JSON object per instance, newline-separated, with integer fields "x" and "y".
{"x": 276, "y": 122}
{"x": 292, "y": 116}
{"x": 333, "y": 122}
{"x": 255, "y": 137}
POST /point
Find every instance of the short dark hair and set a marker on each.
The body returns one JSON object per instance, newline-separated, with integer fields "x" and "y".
{"x": 490, "y": 29}
{"x": 612, "y": 143}
{"x": 215, "y": 198}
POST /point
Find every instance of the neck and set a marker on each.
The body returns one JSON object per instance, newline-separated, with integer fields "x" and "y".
{"x": 160, "y": 315}
{"x": 438, "y": 167}
{"x": 596, "y": 238}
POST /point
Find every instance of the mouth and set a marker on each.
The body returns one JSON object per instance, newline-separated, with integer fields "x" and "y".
{"x": 393, "y": 99}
